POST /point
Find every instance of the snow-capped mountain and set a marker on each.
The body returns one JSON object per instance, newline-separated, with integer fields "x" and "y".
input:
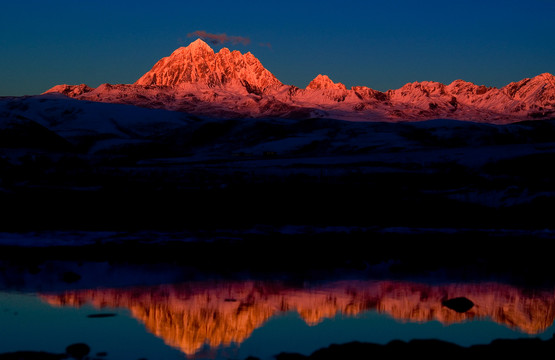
{"x": 197, "y": 80}
{"x": 198, "y": 64}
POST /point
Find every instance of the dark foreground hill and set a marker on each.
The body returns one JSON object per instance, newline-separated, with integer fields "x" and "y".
{"x": 73, "y": 164}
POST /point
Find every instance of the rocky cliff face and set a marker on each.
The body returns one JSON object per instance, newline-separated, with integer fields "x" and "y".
{"x": 195, "y": 79}
{"x": 190, "y": 315}
{"x": 198, "y": 64}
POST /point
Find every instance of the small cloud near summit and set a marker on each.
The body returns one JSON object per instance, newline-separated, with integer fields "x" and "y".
{"x": 218, "y": 39}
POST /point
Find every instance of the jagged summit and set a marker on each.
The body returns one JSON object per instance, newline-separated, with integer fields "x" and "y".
{"x": 198, "y": 64}
{"x": 195, "y": 46}
{"x": 199, "y": 43}
{"x": 323, "y": 82}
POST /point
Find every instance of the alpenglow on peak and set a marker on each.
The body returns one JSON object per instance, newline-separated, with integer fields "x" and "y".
{"x": 199, "y": 64}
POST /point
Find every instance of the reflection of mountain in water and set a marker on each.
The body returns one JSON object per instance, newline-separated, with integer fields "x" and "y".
{"x": 187, "y": 316}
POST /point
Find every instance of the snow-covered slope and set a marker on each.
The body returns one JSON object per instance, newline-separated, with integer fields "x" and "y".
{"x": 52, "y": 121}
{"x": 197, "y": 80}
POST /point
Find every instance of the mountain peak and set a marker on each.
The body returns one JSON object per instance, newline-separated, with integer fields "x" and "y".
{"x": 197, "y": 46}
{"x": 199, "y": 43}
{"x": 198, "y": 64}
{"x": 323, "y": 82}
{"x": 546, "y": 76}
{"x": 539, "y": 90}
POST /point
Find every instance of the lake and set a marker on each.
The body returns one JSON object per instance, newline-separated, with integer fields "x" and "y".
{"x": 232, "y": 318}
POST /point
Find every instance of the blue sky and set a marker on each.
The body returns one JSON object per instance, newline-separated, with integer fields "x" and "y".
{"x": 380, "y": 44}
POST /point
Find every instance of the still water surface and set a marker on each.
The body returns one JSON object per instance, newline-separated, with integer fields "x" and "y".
{"x": 239, "y": 318}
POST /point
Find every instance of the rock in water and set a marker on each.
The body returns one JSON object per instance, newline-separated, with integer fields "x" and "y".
{"x": 459, "y": 304}
{"x": 78, "y": 351}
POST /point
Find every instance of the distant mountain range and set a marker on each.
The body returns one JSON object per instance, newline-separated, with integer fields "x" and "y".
{"x": 229, "y": 84}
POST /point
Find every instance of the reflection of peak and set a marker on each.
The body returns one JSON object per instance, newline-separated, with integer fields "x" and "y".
{"x": 189, "y": 316}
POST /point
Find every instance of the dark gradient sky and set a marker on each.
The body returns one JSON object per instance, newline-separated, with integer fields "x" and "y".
{"x": 380, "y": 44}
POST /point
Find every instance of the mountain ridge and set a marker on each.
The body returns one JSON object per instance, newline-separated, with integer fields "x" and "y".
{"x": 227, "y": 83}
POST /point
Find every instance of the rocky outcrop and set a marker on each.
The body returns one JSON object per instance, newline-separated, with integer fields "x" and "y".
{"x": 71, "y": 90}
